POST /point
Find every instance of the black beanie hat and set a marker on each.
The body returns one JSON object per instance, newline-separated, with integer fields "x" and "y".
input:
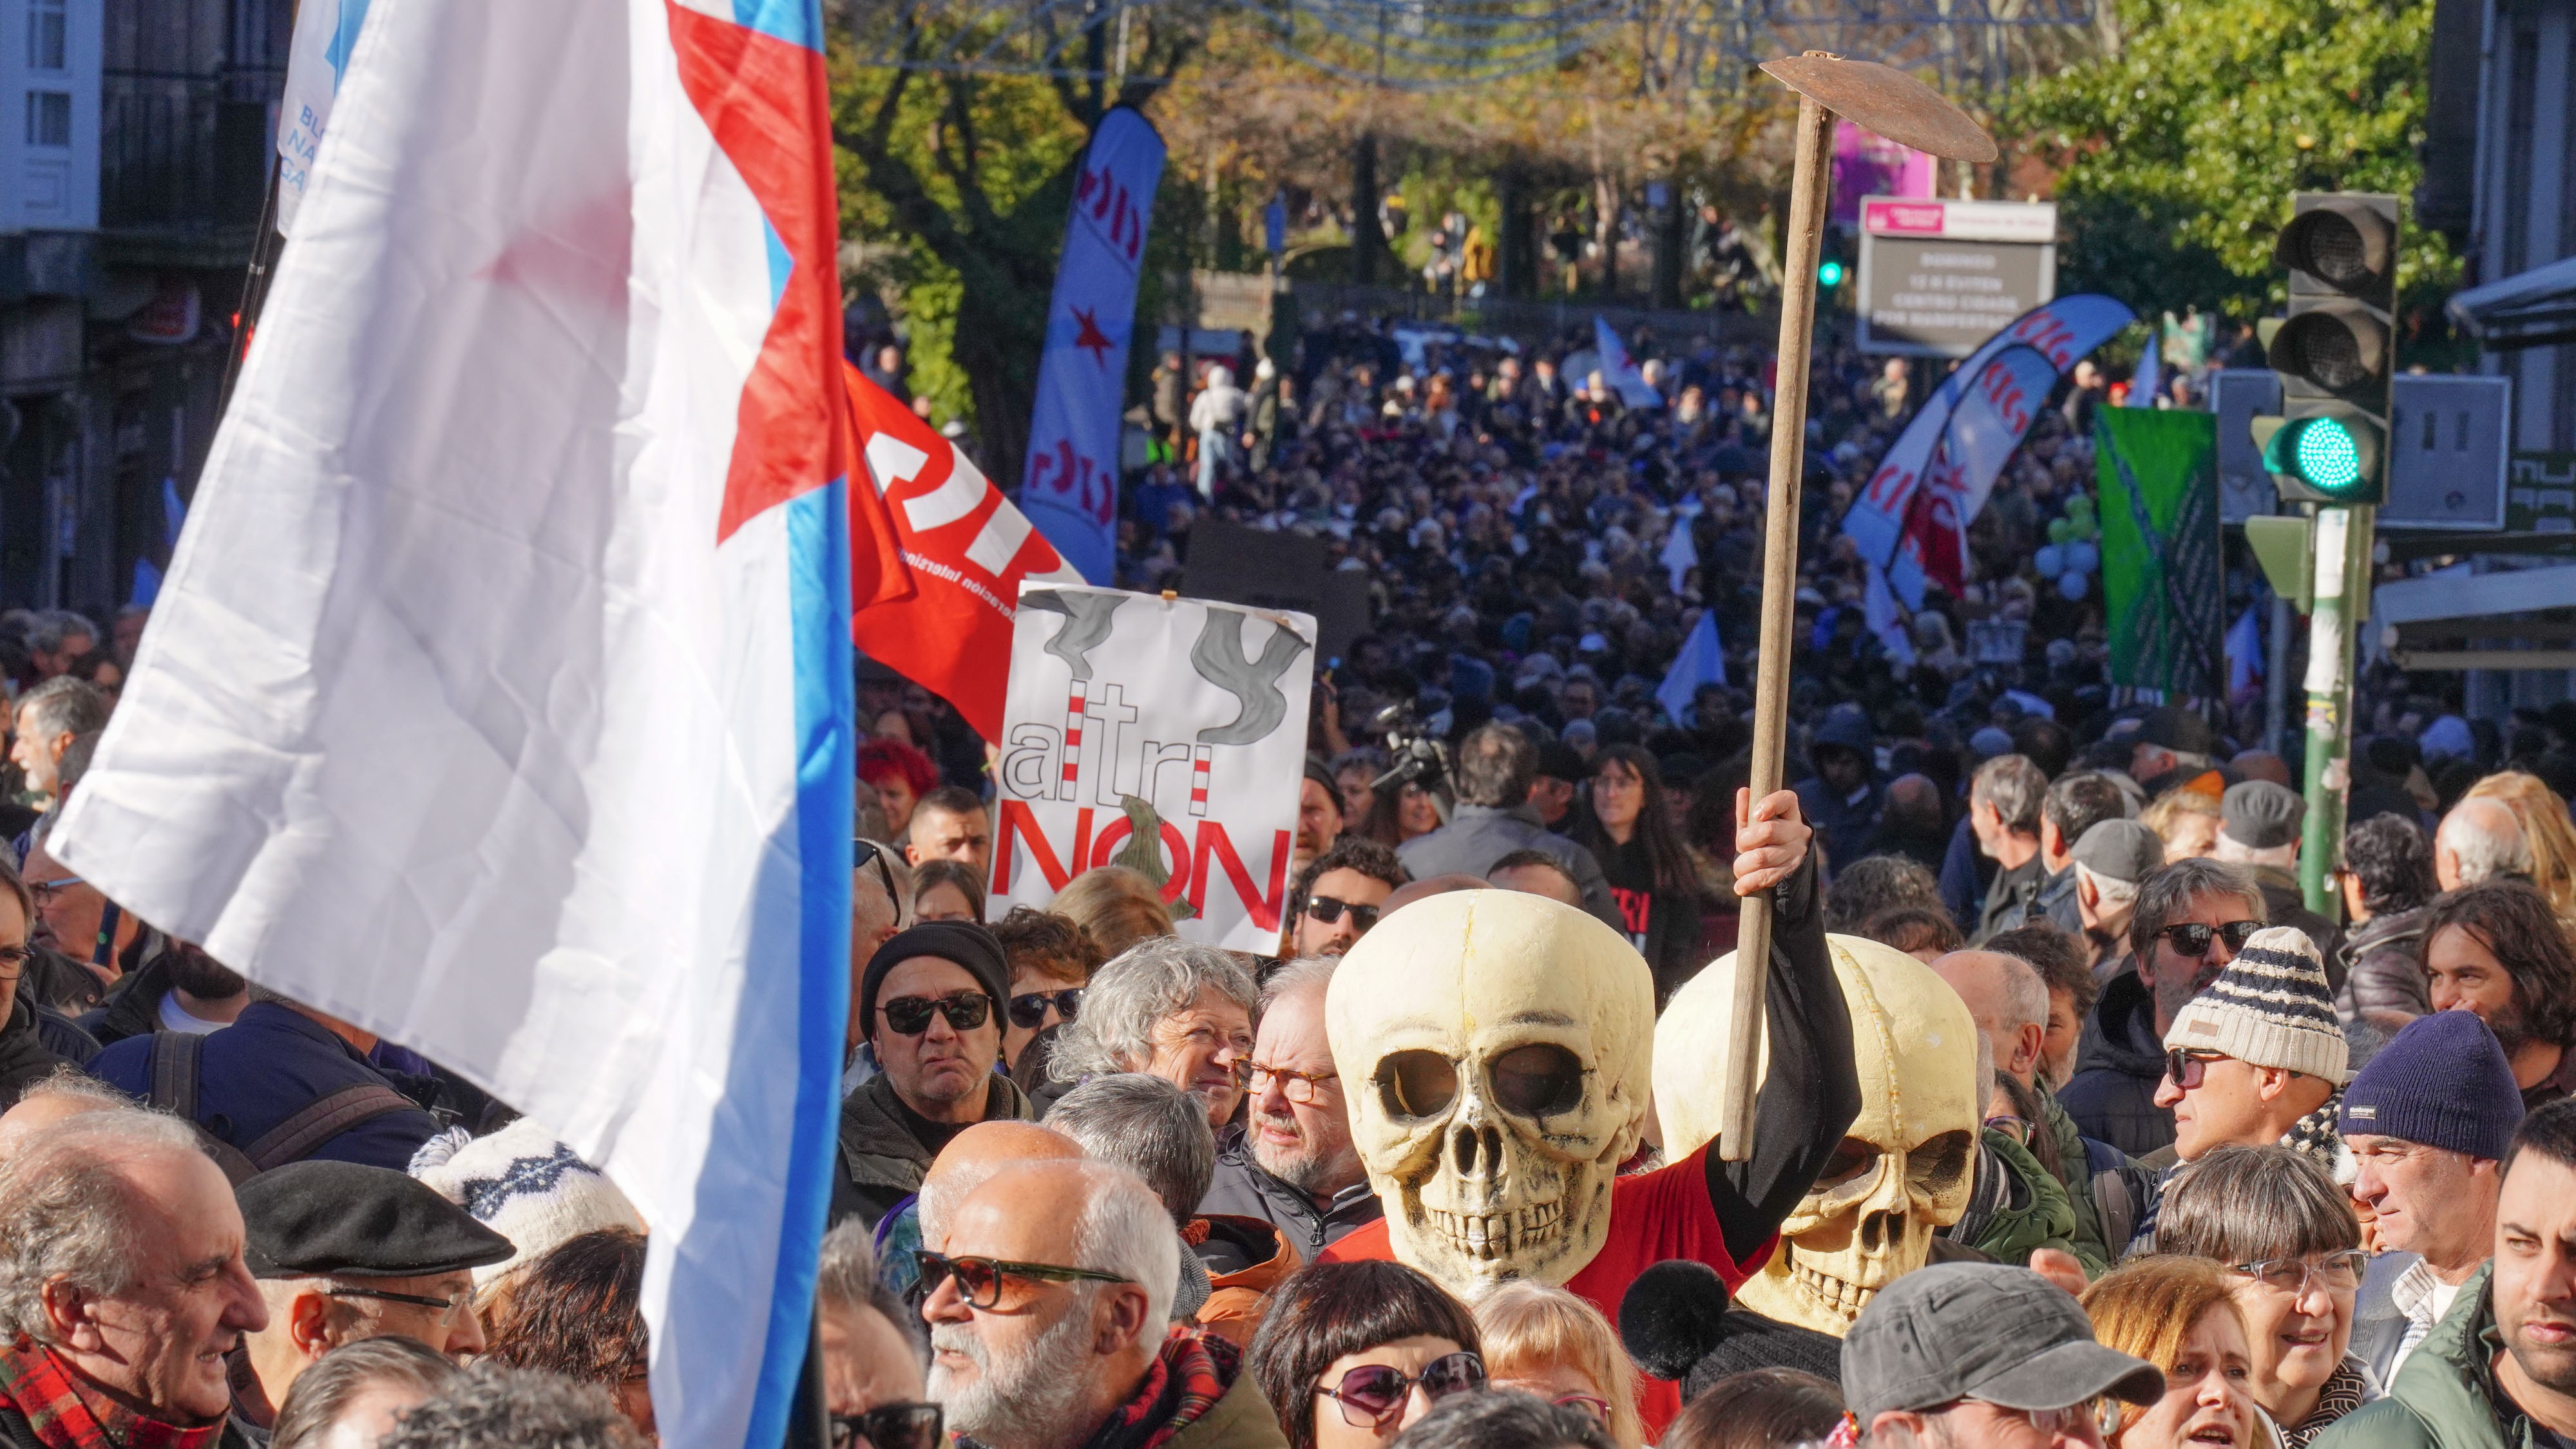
{"x": 964, "y": 942}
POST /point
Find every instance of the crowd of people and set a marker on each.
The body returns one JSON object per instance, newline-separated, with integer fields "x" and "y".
{"x": 2077, "y": 1124}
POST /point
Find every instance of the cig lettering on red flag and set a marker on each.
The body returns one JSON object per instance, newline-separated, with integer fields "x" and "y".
{"x": 963, "y": 548}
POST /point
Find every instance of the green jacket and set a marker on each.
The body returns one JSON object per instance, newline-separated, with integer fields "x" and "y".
{"x": 2073, "y": 1175}
{"x": 2445, "y": 1396}
{"x": 880, "y": 1161}
{"x": 2017, "y": 1211}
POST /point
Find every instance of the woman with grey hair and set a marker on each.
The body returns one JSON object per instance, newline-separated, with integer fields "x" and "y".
{"x": 1178, "y": 1010}
{"x": 2291, "y": 1245}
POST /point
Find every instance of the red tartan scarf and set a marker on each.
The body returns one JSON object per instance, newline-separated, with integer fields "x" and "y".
{"x": 67, "y": 1413}
{"x": 1187, "y": 1378}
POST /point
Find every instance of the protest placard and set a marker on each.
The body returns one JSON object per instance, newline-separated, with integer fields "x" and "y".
{"x": 1167, "y": 735}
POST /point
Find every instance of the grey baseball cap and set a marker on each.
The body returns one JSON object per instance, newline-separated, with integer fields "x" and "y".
{"x": 2120, "y": 850}
{"x": 1982, "y": 1331}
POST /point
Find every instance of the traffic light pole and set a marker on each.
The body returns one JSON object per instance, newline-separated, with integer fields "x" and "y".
{"x": 2343, "y": 544}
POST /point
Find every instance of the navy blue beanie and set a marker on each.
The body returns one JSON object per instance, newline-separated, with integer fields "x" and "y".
{"x": 2441, "y": 1081}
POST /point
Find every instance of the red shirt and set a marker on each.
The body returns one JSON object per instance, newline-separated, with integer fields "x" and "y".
{"x": 1654, "y": 1216}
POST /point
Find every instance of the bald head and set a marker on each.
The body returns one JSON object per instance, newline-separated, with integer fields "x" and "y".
{"x": 1435, "y": 885}
{"x": 973, "y": 1157}
{"x": 51, "y": 1101}
{"x": 1538, "y": 878}
{"x": 1914, "y": 804}
{"x": 2480, "y": 840}
{"x": 2261, "y": 765}
{"x": 2009, "y": 1001}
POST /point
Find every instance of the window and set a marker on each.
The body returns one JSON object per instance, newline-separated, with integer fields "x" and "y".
{"x": 45, "y": 22}
{"x": 49, "y": 118}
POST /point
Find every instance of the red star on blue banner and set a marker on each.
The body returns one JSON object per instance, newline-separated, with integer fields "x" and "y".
{"x": 1091, "y": 338}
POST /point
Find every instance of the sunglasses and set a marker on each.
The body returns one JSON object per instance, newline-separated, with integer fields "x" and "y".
{"x": 889, "y": 1426}
{"x": 2191, "y": 939}
{"x": 910, "y": 1015}
{"x": 1372, "y": 1395}
{"x": 2188, "y": 1069}
{"x": 1028, "y": 1010}
{"x": 1599, "y": 1409}
{"x": 865, "y": 853}
{"x": 1328, "y": 910}
{"x": 979, "y": 1280}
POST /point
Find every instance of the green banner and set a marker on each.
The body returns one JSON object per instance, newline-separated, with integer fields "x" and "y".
{"x": 2163, "y": 579}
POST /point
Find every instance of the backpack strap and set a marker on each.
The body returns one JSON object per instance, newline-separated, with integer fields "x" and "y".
{"x": 170, "y": 1072}
{"x": 292, "y": 1139}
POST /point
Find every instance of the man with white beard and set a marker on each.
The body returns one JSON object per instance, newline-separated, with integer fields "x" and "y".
{"x": 1047, "y": 1314}
{"x": 1292, "y": 1163}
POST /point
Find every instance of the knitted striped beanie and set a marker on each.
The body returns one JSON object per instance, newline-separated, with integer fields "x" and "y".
{"x": 2271, "y": 1008}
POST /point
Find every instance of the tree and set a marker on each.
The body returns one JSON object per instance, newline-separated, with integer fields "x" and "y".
{"x": 2176, "y": 150}
{"x": 965, "y": 177}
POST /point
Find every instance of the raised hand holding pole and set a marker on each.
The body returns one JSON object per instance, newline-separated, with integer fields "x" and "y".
{"x": 1904, "y": 110}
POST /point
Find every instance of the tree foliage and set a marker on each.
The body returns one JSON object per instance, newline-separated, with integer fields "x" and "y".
{"x": 2177, "y": 149}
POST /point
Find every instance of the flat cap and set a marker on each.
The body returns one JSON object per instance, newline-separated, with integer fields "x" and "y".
{"x": 2260, "y": 814}
{"x": 316, "y": 1219}
{"x": 2120, "y": 850}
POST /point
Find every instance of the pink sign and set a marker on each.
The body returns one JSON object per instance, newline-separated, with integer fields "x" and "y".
{"x": 1868, "y": 164}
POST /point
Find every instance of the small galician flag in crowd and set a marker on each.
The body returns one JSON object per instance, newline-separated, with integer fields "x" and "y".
{"x": 499, "y": 696}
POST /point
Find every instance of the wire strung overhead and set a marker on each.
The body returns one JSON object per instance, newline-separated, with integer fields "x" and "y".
{"x": 1432, "y": 45}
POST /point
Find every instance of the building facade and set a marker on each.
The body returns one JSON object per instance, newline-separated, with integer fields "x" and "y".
{"x": 134, "y": 161}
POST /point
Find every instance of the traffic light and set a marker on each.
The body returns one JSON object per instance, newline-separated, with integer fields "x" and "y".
{"x": 2336, "y": 351}
{"x": 1829, "y": 273}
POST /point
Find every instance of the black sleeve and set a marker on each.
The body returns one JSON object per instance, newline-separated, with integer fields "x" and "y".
{"x": 1812, "y": 1092}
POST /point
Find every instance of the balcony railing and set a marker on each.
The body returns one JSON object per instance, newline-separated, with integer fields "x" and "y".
{"x": 184, "y": 158}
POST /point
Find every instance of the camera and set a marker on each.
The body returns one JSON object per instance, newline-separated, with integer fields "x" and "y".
{"x": 1420, "y": 759}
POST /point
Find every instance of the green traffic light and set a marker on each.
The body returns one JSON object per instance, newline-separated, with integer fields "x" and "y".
{"x": 1830, "y": 274}
{"x": 2327, "y": 456}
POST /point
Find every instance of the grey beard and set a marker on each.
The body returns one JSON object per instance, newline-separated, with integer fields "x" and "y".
{"x": 1028, "y": 1404}
{"x": 1308, "y": 1171}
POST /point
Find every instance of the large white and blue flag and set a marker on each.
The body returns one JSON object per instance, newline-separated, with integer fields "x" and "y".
{"x": 1069, "y": 487}
{"x": 499, "y": 697}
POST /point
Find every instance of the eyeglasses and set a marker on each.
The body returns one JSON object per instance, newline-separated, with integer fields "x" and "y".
{"x": 46, "y": 890}
{"x": 456, "y": 1298}
{"x": 14, "y": 959}
{"x": 2339, "y": 1271}
{"x": 889, "y": 1426}
{"x": 2191, "y": 938}
{"x": 2016, "y": 1128}
{"x": 1328, "y": 910}
{"x": 1028, "y": 1010}
{"x": 1373, "y": 1394}
{"x": 910, "y": 1015}
{"x": 2187, "y": 1069}
{"x": 979, "y": 1280}
{"x": 1301, "y": 1087}
{"x": 2103, "y": 1414}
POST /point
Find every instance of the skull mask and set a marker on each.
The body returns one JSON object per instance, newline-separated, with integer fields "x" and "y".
{"x": 1904, "y": 1169}
{"x": 1494, "y": 1049}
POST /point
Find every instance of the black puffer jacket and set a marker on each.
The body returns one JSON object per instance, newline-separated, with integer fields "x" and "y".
{"x": 2113, "y": 1095}
{"x": 25, "y": 1059}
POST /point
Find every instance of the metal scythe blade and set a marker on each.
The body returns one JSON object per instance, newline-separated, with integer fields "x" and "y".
{"x": 1880, "y": 98}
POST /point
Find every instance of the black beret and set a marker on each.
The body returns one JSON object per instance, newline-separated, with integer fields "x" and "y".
{"x": 317, "y": 1219}
{"x": 964, "y": 942}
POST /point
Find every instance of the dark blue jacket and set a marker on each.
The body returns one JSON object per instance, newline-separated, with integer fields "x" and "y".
{"x": 270, "y": 1064}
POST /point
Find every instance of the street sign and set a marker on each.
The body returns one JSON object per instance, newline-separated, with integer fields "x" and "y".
{"x": 1937, "y": 278}
{"x": 2447, "y": 453}
{"x": 2238, "y": 395}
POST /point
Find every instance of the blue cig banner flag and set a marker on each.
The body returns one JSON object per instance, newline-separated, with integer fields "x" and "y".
{"x": 1070, "y": 486}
